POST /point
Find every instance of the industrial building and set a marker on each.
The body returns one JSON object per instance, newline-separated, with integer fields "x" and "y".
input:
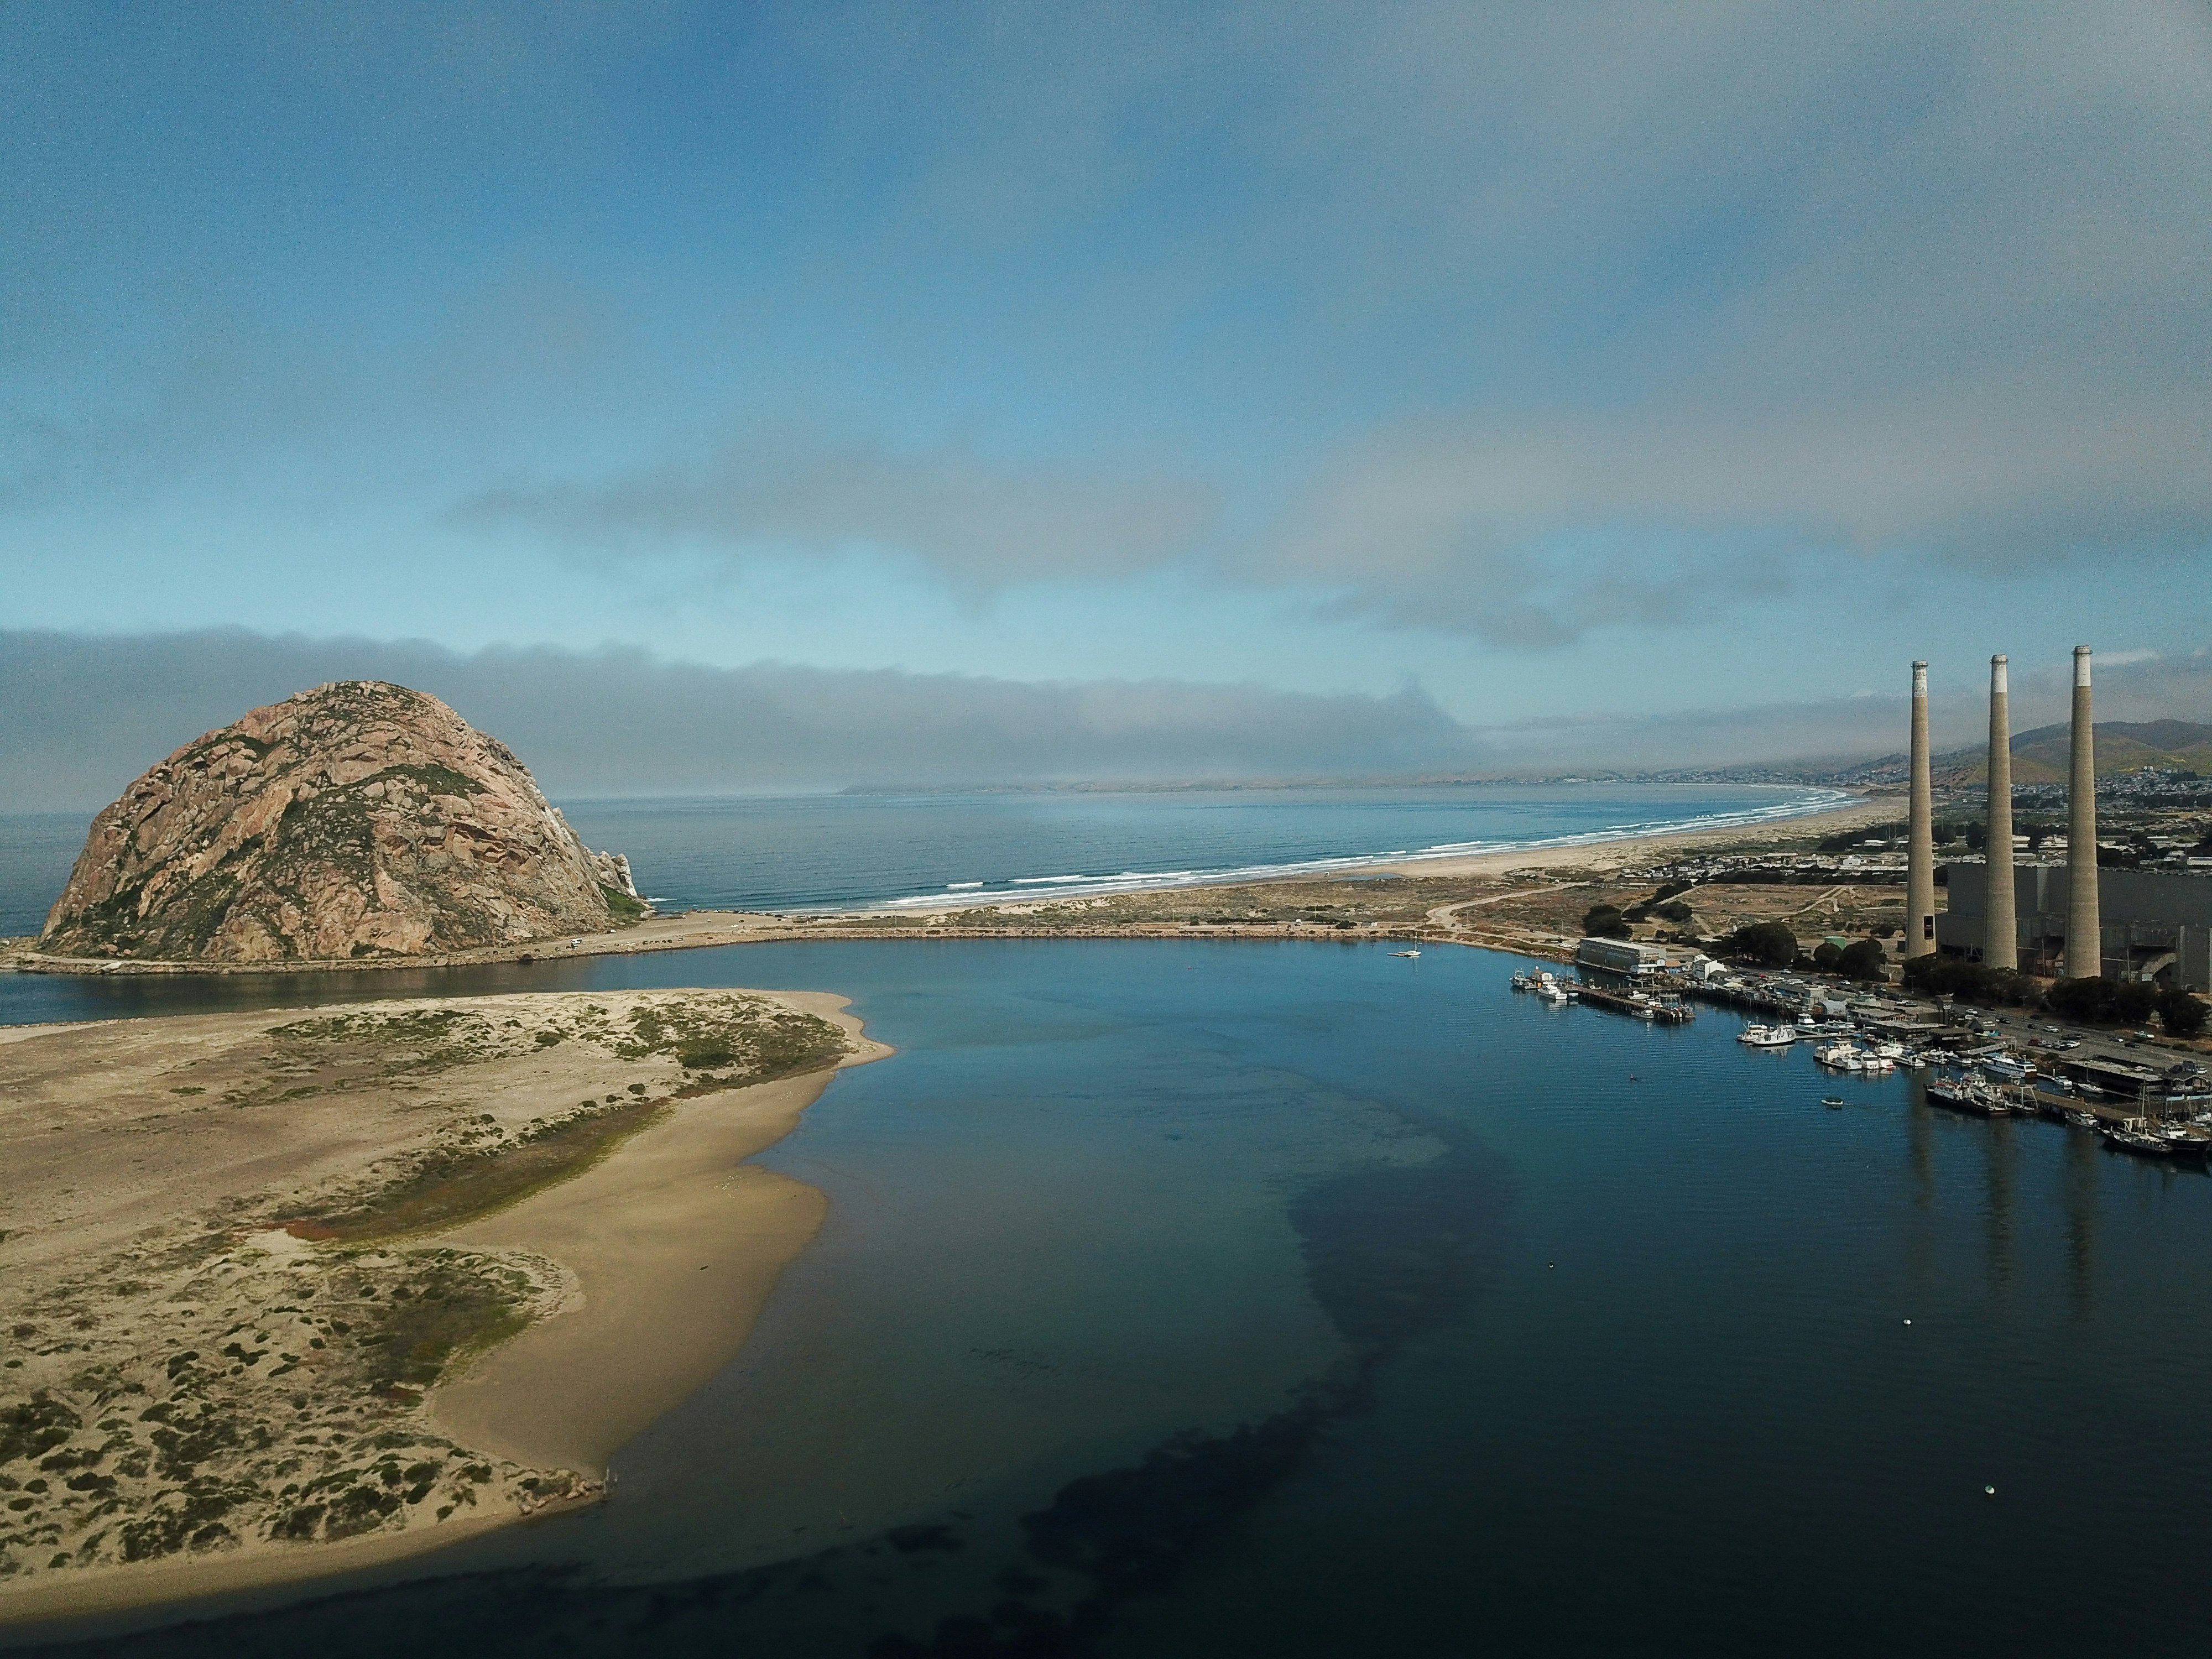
{"x": 2155, "y": 925}
{"x": 2074, "y": 919}
{"x": 1631, "y": 958}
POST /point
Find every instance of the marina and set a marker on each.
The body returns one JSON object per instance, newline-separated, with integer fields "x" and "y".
{"x": 2162, "y": 1115}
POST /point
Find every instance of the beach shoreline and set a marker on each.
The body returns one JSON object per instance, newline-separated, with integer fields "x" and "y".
{"x": 705, "y": 929}
{"x": 638, "y": 1233}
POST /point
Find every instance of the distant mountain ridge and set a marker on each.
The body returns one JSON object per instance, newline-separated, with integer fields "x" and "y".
{"x": 2042, "y": 755}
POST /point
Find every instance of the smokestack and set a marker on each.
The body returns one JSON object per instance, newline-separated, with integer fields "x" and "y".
{"x": 1920, "y": 844}
{"x": 2000, "y": 940}
{"x": 2084, "y": 957}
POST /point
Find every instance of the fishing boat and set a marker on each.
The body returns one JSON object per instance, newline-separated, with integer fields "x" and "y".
{"x": 1970, "y": 1093}
{"x": 2132, "y": 1137}
{"x": 1767, "y": 1036}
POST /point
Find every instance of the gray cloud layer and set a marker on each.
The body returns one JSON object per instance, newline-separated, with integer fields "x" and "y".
{"x": 1722, "y": 299}
{"x": 80, "y": 716}
{"x": 977, "y": 523}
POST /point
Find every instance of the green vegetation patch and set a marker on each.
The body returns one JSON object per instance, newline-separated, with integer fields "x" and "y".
{"x": 434, "y": 780}
{"x": 457, "y": 1186}
{"x": 34, "y": 1426}
{"x": 448, "y": 1305}
{"x": 627, "y": 910}
{"x": 707, "y": 1034}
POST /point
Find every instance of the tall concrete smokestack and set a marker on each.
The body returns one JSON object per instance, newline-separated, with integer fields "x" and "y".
{"x": 2083, "y": 934}
{"x": 2000, "y": 942}
{"x": 1920, "y": 843}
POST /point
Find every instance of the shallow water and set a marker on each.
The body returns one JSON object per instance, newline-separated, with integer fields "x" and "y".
{"x": 1551, "y": 1332}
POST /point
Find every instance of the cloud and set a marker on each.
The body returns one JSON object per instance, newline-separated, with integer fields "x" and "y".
{"x": 1535, "y": 532}
{"x": 2132, "y": 685}
{"x": 980, "y": 523}
{"x": 80, "y": 716}
{"x": 1589, "y": 316}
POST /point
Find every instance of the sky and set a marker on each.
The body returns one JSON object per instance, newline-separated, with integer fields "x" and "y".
{"x": 1033, "y": 391}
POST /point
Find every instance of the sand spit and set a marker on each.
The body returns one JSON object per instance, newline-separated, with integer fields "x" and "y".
{"x": 1055, "y": 918}
{"x": 675, "y": 1241}
{"x": 238, "y": 1249}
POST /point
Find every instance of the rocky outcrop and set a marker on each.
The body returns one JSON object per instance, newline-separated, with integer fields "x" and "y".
{"x": 356, "y": 819}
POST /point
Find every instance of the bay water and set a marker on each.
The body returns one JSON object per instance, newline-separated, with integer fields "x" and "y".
{"x": 1193, "y": 1298}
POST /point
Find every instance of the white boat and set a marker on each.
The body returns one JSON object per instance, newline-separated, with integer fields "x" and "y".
{"x": 2007, "y": 1067}
{"x": 1841, "y": 1056}
{"x": 1767, "y": 1036}
{"x": 1405, "y": 953}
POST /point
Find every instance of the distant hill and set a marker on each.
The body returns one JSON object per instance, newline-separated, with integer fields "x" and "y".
{"x": 2043, "y": 754}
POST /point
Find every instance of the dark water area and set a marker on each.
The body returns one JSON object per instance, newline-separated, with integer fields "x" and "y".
{"x": 1187, "y": 1298}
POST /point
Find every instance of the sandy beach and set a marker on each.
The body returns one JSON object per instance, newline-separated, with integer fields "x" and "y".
{"x": 697, "y": 929}
{"x": 1621, "y": 851}
{"x": 208, "y": 1238}
{"x": 676, "y": 1242}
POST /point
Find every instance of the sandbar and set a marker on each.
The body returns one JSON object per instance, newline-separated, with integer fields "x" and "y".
{"x": 239, "y": 1247}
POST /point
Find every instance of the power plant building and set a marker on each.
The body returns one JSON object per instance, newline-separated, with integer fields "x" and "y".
{"x": 2155, "y": 925}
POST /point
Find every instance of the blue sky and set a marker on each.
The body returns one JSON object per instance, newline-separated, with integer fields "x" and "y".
{"x": 1611, "y": 361}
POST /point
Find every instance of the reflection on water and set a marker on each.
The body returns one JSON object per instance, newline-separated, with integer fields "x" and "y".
{"x": 2082, "y": 1178}
{"x": 1206, "y": 1299}
{"x": 1999, "y": 1154}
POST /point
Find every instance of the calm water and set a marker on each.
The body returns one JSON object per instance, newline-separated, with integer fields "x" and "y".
{"x": 1193, "y": 1299}
{"x": 819, "y": 851}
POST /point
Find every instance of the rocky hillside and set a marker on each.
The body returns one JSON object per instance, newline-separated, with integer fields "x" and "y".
{"x": 356, "y": 819}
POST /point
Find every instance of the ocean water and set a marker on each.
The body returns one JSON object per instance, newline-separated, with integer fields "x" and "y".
{"x": 817, "y": 852}
{"x": 1193, "y": 1298}
{"x": 824, "y": 851}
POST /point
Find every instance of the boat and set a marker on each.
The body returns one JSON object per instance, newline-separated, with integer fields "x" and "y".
{"x": 1767, "y": 1036}
{"x": 1833, "y": 1103}
{"x": 1970, "y": 1093}
{"x": 1841, "y": 1056}
{"x": 2146, "y": 1143}
{"x": 2009, "y": 1067}
{"x": 1405, "y": 953}
{"x": 2082, "y": 1120}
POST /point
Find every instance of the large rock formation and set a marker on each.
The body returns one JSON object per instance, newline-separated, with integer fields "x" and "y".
{"x": 356, "y": 819}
